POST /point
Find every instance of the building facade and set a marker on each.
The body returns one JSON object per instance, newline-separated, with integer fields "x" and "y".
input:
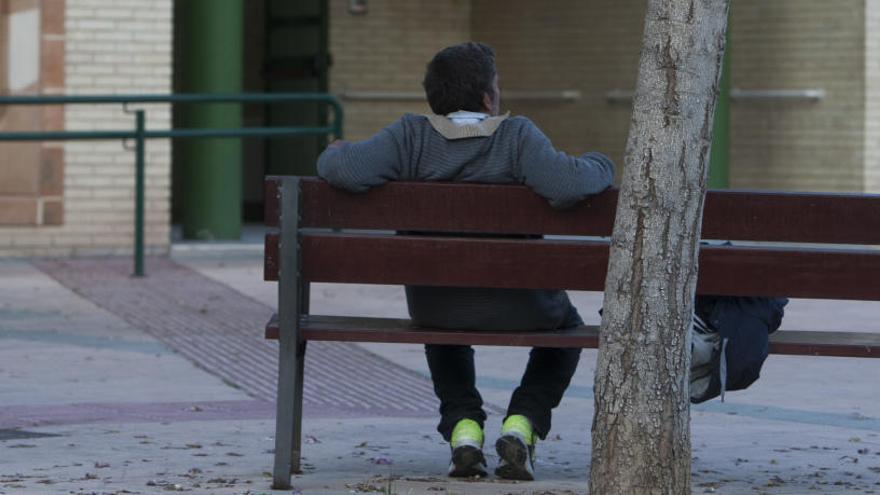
{"x": 70, "y": 198}
{"x": 804, "y": 103}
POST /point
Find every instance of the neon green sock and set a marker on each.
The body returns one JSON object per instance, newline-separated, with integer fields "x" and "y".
{"x": 521, "y": 425}
{"x": 467, "y": 432}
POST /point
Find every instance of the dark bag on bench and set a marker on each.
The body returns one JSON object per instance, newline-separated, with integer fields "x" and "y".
{"x": 739, "y": 328}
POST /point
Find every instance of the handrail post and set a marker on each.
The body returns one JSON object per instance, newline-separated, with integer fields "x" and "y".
{"x": 338, "y": 121}
{"x": 139, "y": 165}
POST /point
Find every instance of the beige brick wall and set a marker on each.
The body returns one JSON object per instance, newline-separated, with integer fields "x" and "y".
{"x": 124, "y": 46}
{"x": 872, "y": 96}
{"x": 386, "y": 50}
{"x": 112, "y": 46}
{"x": 592, "y": 47}
{"x": 799, "y": 44}
{"x": 540, "y": 47}
{"x": 31, "y": 62}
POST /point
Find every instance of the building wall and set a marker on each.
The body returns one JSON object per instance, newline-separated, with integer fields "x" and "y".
{"x": 591, "y": 47}
{"x": 872, "y": 96}
{"x": 386, "y": 50}
{"x": 111, "y": 46}
{"x": 31, "y": 52}
{"x": 799, "y": 145}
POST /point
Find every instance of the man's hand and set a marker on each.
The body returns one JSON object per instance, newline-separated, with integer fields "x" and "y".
{"x": 336, "y": 144}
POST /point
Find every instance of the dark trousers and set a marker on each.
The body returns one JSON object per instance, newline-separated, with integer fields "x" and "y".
{"x": 547, "y": 375}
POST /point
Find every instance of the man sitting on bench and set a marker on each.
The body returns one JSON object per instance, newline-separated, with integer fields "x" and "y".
{"x": 466, "y": 140}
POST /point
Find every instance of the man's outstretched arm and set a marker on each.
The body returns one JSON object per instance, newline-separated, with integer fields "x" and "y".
{"x": 364, "y": 164}
{"x": 561, "y": 178}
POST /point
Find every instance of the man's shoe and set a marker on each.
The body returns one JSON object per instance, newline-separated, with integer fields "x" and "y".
{"x": 467, "y": 450}
{"x": 516, "y": 448}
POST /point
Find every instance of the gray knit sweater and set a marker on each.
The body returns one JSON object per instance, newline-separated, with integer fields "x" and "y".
{"x": 498, "y": 150}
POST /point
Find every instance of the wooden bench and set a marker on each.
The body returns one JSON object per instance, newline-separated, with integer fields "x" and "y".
{"x": 310, "y": 246}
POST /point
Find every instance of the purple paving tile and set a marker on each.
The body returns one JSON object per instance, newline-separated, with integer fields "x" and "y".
{"x": 132, "y": 412}
{"x": 221, "y": 331}
{"x": 12, "y": 417}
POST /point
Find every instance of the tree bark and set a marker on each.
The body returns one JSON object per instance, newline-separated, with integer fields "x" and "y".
{"x": 641, "y": 429}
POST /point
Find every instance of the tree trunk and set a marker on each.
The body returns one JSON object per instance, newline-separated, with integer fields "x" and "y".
{"x": 641, "y": 430}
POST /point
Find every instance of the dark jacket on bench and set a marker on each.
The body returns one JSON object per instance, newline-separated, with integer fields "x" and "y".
{"x": 495, "y": 150}
{"x": 744, "y": 325}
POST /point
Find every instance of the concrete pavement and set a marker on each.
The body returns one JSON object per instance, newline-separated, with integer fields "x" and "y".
{"x": 91, "y": 401}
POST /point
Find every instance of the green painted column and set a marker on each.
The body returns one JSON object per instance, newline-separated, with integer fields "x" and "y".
{"x": 211, "y": 40}
{"x": 719, "y": 160}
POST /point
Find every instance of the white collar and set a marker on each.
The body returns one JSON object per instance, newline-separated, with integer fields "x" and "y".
{"x": 463, "y": 117}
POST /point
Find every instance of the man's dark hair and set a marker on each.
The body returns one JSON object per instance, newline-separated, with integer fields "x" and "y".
{"x": 458, "y": 76}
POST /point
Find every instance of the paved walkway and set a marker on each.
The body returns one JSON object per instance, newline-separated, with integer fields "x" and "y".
{"x": 112, "y": 385}
{"x": 219, "y": 329}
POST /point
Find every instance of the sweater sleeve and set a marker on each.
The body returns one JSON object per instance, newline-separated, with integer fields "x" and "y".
{"x": 562, "y": 179}
{"x": 358, "y": 166}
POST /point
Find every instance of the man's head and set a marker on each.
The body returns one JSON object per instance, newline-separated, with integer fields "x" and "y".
{"x": 463, "y": 77}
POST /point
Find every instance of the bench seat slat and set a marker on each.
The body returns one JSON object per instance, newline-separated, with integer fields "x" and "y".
{"x": 400, "y": 331}
{"x": 839, "y": 344}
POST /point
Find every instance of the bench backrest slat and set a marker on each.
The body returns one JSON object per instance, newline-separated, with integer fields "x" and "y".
{"x": 443, "y": 207}
{"x": 578, "y": 265}
{"x": 379, "y": 257}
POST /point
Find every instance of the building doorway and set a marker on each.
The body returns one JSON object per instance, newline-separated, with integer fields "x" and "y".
{"x": 283, "y": 48}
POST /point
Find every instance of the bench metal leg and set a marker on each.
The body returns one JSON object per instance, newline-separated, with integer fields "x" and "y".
{"x": 296, "y": 448}
{"x": 288, "y": 367}
{"x": 295, "y": 467}
{"x": 288, "y": 418}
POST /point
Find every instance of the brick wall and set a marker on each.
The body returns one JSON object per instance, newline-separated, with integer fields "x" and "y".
{"x": 31, "y": 55}
{"x": 124, "y": 46}
{"x": 112, "y": 46}
{"x": 872, "y": 96}
{"x": 799, "y": 44}
{"x": 592, "y": 47}
{"x": 535, "y": 44}
{"x": 386, "y": 50}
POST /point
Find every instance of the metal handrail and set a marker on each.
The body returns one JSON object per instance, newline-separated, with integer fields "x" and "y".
{"x": 171, "y": 98}
{"x": 140, "y": 134}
